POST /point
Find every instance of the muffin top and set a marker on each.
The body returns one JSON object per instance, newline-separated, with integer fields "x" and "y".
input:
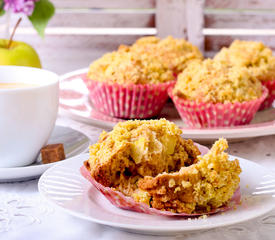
{"x": 144, "y": 140}
{"x": 126, "y": 67}
{"x": 214, "y": 82}
{"x": 149, "y": 60}
{"x": 174, "y": 53}
{"x": 254, "y": 55}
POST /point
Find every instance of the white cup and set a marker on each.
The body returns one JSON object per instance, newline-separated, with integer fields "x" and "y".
{"x": 27, "y": 115}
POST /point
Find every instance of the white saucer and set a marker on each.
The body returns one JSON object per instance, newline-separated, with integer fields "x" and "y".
{"x": 74, "y": 143}
{"x": 64, "y": 187}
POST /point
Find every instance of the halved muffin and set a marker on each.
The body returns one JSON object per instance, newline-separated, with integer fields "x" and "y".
{"x": 151, "y": 163}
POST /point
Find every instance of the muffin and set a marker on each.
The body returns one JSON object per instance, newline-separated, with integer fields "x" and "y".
{"x": 132, "y": 82}
{"x": 257, "y": 58}
{"x": 126, "y": 85}
{"x": 175, "y": 54}
{"x": 212, "y": 94}
{"x": 149, "y": 163}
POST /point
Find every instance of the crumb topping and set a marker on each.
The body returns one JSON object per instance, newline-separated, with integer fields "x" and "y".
{"x": 174, "y": 53}
{"x": 212, "y": 81}
{"x": 253, "y": 55}
{"x": 149, "y": 60}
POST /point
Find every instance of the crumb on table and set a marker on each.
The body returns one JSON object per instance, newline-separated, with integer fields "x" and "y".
{"x": 52, "y": 153}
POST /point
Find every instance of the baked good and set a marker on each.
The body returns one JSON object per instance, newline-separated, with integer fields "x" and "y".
{"x": 214, "y": 82}
{"x": 127, "y": 85}
{"x": 253, "y": 55}
{"x": 257, "y": 58}
{"x": 175, "y": 54}
{"x": 150, "y": 162}
{"x": 212, "y": 94}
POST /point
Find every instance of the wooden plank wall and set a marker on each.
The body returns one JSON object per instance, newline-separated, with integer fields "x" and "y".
{"x": 83, "y": 30}
{"x": 181, "y": 19}
{"x": 227, "y": 20}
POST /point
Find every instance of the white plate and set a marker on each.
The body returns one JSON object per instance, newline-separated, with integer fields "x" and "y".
{"x": 75, "y": 103}
{"x": 74, "y": 143}
{"x": 63, "y": 186}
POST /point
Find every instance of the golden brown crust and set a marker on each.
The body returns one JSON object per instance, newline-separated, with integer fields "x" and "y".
{"x": 148, "y": 61}
{"x": 175, "y": 54}
{"x": 215, "y": 82}
{"x": 255, "y": 56}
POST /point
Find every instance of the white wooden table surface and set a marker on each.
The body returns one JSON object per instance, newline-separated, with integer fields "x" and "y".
{"x": 25, "y": 216}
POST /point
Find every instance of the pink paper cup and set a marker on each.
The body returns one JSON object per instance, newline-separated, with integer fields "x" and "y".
{"x": 267, "y": 103}
{"x": 135, "y": 101}
{"x": 207, "y": 115}
{"x": 121, "y": 201}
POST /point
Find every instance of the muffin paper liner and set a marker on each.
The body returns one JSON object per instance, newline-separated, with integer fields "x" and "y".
{"x": 134, "y": 101}
{"x": 203, "y": 115}
{"x": 270, "y": 85}
{"x": 119, "y": 200}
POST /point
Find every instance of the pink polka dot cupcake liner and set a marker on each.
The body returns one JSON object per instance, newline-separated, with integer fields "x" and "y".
{"x": 207, "y": 115}
{"x": 270, "y": 85}
{"x": 119, "y": 200}
{"x": 135, "y": 101}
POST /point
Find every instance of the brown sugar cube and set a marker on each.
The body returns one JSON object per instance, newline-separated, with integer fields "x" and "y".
{"x": 52, "y": 153}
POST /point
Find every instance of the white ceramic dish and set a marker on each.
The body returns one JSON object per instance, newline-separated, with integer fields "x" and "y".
{"x": 74, "y": 143}
{"x": 63, "y": 186}
{"x": 27, "y": 115}
{"x": 74, "y": 102}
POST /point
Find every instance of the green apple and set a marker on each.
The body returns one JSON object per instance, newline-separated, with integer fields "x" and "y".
{"x": 19, "y": 54}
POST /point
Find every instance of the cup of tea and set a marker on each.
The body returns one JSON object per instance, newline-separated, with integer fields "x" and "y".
{"x": 29, "y": 100}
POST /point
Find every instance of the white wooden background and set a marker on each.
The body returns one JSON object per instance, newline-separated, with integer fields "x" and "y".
{"x": 82, "y": 30}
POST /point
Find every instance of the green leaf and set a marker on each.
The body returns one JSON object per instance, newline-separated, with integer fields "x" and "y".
{"x": 2, "y": 11}
{"x": 42, "y": 13}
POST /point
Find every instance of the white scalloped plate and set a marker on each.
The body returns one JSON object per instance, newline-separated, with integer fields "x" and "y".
{"x": 64, "y": 187}
{"x": 74, "y": 102}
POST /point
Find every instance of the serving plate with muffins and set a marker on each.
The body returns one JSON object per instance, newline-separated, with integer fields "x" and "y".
{"x": 230, "y": 95}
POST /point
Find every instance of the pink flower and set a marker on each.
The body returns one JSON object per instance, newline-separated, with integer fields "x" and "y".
{"x": 20, "y": 6}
